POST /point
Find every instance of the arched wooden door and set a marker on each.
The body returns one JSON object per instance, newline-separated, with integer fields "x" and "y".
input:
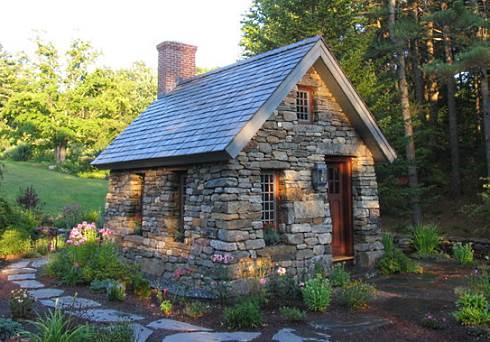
{"x": 340, "y": 201}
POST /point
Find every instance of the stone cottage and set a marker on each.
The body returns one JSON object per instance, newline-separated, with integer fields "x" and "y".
{"x": 268, "y": 162}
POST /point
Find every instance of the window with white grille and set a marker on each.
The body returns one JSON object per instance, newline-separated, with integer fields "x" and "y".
{"x": 269, "y": 198}
{"x": 303, "y": 105}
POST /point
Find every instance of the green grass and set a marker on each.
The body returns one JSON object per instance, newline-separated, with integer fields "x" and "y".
{"x": 55, "y": 189}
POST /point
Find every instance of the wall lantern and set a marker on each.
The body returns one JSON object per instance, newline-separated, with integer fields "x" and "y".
{"x": 319, "y": 176}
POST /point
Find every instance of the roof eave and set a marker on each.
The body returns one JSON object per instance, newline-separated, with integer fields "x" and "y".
{"x": 175, "y": 161}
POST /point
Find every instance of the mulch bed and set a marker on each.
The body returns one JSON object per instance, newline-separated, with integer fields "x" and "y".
{"x": 404, "y": 300}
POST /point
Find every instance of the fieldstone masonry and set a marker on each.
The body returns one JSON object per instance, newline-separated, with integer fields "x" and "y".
{"x": 222, "y": 212}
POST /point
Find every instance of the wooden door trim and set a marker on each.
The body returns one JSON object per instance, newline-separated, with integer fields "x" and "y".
{"x": 347, "y": 215}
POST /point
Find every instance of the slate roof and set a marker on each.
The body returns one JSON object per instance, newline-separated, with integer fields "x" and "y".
{"x": 203, "y": 114}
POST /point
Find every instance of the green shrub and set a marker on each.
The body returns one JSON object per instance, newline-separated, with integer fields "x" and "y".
{"x": 195, "y": 309}
{"x": 463, "y": 253}
{"x": 394, "y": 260}
{"x": 24, "y": 219}
{"x": 141, "y": 286}
{"x": 243, "y": 316}
{"x": 9, "y": 328}
{"x": 292, "y": 314}
{"x": 89, "y": 261}
{"x": 14, "y": 242}
{"x": 21, "y": 303}
{"x": 472, "y": 309}
{"x": 271, "y": 236}
{"x": 425, "y": 239}
{"x": 283, "y": 288}
{"x": 119, "y": 332}
{"x": 356, "y": 294}
{"x": 317, "y": 294}
{"x": 70, "y": 216}
{"x": 166, "y": 307}
{"x": 56, "y": 326}
{"x": 5, "y": 214}
{"x": 116, "y": 292}
{"x": 339, "y": 276}
{"x": 479, "y": 282}
{"x": 21, "y": 152}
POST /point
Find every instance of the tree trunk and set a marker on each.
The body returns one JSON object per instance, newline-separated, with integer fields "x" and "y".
{"x": 486, "y": 115}
{"x": 407, "y": 118}
{"x": 432, "y": 86}
{"x": 452, "y": 118}
{"x": 60, "y": 153}
{"x": 418, "y": 76}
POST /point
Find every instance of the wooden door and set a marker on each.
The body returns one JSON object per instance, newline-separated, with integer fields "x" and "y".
{"x": 340, "y": 200}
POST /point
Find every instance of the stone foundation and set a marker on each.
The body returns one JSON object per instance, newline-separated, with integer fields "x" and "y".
{"x": 222, "y": 211}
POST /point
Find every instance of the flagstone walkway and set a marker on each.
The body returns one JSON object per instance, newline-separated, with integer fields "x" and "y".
{"x": 24, "y": 273}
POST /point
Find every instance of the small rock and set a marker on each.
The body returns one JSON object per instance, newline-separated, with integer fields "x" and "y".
{"x": 18, "y": 270}
{"x": 19, "y": 264}
{"x": 29, "y": 284}
{"x": 46, "y": 293}
{"x": 39, "y": 262}
{"x": 22, "y": 276}
{"x": 70, "y": 302}
{"x": 140, "y": 333}
{"x": 170, "y": 324}
{"x": 212, "y": 337}
{"x": 106, "y": 315}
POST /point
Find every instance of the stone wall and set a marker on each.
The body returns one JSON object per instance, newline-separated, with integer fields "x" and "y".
{"x": 222, "y": 213}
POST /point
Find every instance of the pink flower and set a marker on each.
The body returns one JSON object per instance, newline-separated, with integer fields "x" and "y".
{"x": 281, "y": 271}
{"x": 227, "y": 258}
{"x": 262, "y": 281}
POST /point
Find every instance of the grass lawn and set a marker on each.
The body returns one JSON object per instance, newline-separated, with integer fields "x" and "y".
{"x": 55, "y": 189}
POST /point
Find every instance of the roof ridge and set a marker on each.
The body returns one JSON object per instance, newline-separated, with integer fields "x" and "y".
{"x": 250, "y": 59}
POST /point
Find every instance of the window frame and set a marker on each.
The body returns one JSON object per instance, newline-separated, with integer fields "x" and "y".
{"x": 275, "y": 198}
{"x": 310, "y": 103}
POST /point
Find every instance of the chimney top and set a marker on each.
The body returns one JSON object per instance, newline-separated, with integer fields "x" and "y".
{"x": 176, "y": 62}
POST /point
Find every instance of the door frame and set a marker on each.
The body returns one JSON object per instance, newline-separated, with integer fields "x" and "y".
{"x": 348, "y": 218}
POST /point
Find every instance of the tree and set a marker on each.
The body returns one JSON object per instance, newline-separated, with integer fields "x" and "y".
{"x": 406, "y": 114}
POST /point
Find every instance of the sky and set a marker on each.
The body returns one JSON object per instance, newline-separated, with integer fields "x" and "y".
{"x": 127, "y": 31}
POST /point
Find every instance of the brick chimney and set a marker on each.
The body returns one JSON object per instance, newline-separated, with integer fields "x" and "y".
{"x": 176, "y": 62}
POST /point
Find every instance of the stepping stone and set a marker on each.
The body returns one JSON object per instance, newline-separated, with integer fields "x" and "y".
{"x": 29, "y": 284}
{"x": 358, "y": 324}
{"x": 22, "y": 276}
{"x": 19, "y": 264}
{"x": 46, "y": 293}
{"x": 70, "y": 302}
{"x": 106, "y": 315}
{"x": 18, "y": 270}
{"x": 39, "y": 262}
{"x": 212, "y": 337}
{"x": 140, "y": 333}
{"x": 288, "y": 335}
{"x": 170, "y": 324}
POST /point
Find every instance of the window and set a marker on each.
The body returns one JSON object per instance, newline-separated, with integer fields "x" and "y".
{"x": 137, "y": 185}
{"x": 180, "y": 205}
{"x": 268, "y": 182}
{"x": 304, "y": 103}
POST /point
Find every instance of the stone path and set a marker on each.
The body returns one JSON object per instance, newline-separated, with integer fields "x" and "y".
{"x": 24, "y": 273}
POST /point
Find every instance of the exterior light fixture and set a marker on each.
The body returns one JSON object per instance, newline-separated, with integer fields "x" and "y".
{"x": 319, "y": 176}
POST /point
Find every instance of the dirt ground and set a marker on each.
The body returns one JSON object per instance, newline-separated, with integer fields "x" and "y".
{"x": 403, "y": 301}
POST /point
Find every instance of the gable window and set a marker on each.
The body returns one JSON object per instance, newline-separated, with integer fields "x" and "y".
{"x": 304, "y": 103}
{"x": 268, "y": 183}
